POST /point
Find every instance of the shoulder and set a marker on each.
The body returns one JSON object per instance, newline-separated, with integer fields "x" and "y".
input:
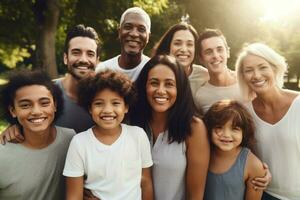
{"x": 199, "y": 68}
{"x": 107, "y": 64}
{"x": 66, "y": 131}
{"x": 254, "y": 167}
{"x": 133, "y": 131}
{"x": 198, "y": 130}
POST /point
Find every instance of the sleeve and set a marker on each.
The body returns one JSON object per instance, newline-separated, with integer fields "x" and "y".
{"x": 145, "y": 150}
{"x": 74, "y": 166}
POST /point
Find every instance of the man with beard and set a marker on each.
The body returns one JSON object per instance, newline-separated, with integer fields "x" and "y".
{"x": 134, "y": 32}
{"x": 81, "y": 53}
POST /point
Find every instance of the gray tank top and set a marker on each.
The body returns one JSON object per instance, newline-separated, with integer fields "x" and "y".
{"x": 168, "y": 170}
{"x": 229, "y": 185}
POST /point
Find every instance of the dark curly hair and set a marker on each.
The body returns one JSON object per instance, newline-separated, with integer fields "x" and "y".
{"x": 223, "y": 111}
{"x": 108, "y": 79}
{"x": 21, "y": 78}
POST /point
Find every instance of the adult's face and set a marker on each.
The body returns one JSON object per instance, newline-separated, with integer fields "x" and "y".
{"x": 133, "y": 34}
{"x": 161, "y": 88}
{"x": 81, "y": 58}
{"x": 214, "y": 55}
{"x": 258, "y": 74}
{"x": 183, "y": 47}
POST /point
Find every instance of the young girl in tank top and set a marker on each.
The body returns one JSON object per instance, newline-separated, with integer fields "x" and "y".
{"x": 232, "y": 165}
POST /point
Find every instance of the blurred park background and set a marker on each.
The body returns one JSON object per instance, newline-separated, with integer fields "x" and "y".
{"x": 32, "y": 32}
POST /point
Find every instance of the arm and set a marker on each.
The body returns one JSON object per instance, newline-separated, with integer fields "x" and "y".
{"x": 197, "y": 154}
{"x": 74, "y": 188}
{"x": 146, "y": 184}
{"x": 11, "y": 134}
{"x": 261, "y": 183}
{"x": 254, "y": 168}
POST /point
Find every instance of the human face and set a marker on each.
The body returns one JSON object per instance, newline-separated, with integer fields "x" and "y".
{"x": 258, "y": 73}
{"x": 161, "y": 88}
{"x": 214, "y": 55}
{"x": 227, "y": 138}
{"x": 108, "y": 110}
{"x": 133, "y": 34}
{"x": 183, "y": 47}
{"x": 82, "y": 57}
{"x": 34, "y": 108}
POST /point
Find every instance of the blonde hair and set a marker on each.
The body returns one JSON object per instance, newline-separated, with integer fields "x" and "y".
{"x": 277, "y": 62}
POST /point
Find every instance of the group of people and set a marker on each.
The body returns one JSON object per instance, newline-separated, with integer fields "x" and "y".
{"x": 152, "y": 128}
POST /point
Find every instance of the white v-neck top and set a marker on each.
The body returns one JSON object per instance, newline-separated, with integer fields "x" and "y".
{"x": 279, "y": 146}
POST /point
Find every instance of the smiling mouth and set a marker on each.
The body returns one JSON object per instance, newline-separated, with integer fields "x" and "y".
{"x": 160, "y": 100}
{"x": 259, "y": 83}
{"x": 108, "y": 118}
{"x": 37, "y": 120}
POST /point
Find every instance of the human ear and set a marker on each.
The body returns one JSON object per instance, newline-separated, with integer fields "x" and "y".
{"x": 12, "y": 111}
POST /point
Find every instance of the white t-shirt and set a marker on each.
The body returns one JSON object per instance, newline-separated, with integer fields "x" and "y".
{"x": 113, "y": 64}
{"x": 197, "y": 78}
{"x": 278, "y": 145}
{"x": 113, "y": 171}
{"x": 208, "y": 94}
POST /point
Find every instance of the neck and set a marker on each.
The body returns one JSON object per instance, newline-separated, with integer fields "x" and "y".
{"x": 270, "y": 97}
{"x": 70, "y": 85}
{"x": 39, "y": 140}
{"x": 188, "y": 70}
{"x": 226, "y": 78}
{"x": 127, "y": 61}
{"x": 158, "y": 122}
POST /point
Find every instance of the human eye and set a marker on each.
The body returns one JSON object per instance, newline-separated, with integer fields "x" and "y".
{"x": 208, "y": 52}
{"x": 142, "y": 29}
{"x": 153, "y": 83}
{"x": 97, "y": 103}
{"x": 91, "y": 54}
{"x": 247, "y": 70}
{"x": 116, "y": 103}
{"x": 170, "y": 84}
{"x": 190, "y": 44}
{"x": 220, "y": 49}
{"x": 24, "y": 105}
{"x": 45, "y": 102}
{"x": 236, "y": 128}
{"x": 127, "y": 26}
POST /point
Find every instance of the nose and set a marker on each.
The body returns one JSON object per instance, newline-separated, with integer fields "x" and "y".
{"x": 183, "y": 48}
{"x": 83, "y": 58}
{"x": 134, "y": 32}
{"x": 36, "y": 110}
{"x": 107, "y": 108}
{"x": 161, "y": 89}
{"x": 256, "y": 73}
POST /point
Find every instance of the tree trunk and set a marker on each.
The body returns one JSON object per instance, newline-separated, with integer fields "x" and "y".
{"x": 47, "y": 14}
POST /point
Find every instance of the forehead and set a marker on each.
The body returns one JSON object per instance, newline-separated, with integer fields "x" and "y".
{"x": 107, "y": 93}
{"x": 183, "y": 35}
{"x": 134, "y": 18}
{"x": 161, "y": 71}
{"x": 83, "y": 43}
{"x": 32, "y": 92}
{"x": 251, "y": 60}
{"x": 212, "y": 43}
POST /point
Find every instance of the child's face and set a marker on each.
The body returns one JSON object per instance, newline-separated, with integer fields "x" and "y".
{"x": 227, "y": 138}
{"x": 108, "y": 109}
{"x": 34, "y": 108}
{"x": 161, "y": 88}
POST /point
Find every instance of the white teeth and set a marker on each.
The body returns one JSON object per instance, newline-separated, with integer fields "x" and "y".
{"x": 39, "y": 120}
{"x": 183, "y": 56}
{"x": 107, "y": 118}
{"x": 216, "y": 63}
{"x": 82, "y": 67}
{"x": 259, "y": 83}
{"x": 160, "y": 99}
{"x": 133, "y": 43}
